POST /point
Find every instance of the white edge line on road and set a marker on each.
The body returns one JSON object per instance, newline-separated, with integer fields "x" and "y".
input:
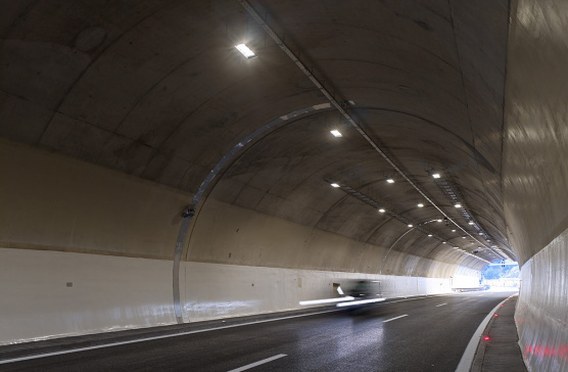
{"x": 260, "y": 362}
{"x": 128, "y": 342}
{"x": 442, "y": 304}
{"x": 469, "y": 353}
{"x": 395, "y": 318}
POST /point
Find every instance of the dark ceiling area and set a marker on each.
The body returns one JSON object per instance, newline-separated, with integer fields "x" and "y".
{"x": 156, "y": 89}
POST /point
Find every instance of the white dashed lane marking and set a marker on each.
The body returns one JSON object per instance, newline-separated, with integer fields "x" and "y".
{"x": 260, "y": 362}
{"x": 395, "y": 318}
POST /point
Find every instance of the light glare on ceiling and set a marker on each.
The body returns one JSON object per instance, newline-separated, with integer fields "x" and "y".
{"x": 245, "y": 50}
{"x": 439, "y": 220}
{"x": 390, "y": 180}
{"x": 470, "y": 223}
{"x": 336, "y": 133}
{"x": 410, "y": 225}
{"x": 457, "y": 205}
{"x": 382, "y": 210}
{"x": 334, "y": 185}
{"x": 429, "y": 235}
{"x": 436, "y": 175}
{"x": 420, "y": 205}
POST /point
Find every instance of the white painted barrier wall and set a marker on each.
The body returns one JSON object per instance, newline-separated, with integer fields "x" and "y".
{"x": 216, "y": 290}
{"x": 542, "y": 308}
{"x": 108, "y": 293}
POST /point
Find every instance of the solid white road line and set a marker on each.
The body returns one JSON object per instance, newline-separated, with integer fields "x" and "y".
{"x": 469, "y": 353}
{"x": 442, "y": 304}
{"x": 260, "y": 362}
{"x": 152, "y": 338}
{"x": 395, "y": 318}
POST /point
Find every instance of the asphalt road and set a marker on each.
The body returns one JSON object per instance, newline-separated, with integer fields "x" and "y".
{"x": 428, "y": 334}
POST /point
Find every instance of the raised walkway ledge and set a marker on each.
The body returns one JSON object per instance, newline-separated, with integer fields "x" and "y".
{"x": 498, "y": 348}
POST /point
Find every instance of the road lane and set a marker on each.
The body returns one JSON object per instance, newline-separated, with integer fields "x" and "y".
{"x": 429, "y": 338}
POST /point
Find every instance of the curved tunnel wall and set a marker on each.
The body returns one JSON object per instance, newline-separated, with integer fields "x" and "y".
{"x": 535, "y": 179}
{"x": 96, "y": 254}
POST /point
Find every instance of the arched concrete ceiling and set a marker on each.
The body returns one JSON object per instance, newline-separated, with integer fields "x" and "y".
{"x": 156, "y": 89}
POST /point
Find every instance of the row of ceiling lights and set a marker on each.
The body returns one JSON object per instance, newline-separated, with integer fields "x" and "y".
{"x": 436, "y": 175}
{"x": 390, "y": 180}
{"x": 248, "y": 53}
{"x": 309, "y": 74}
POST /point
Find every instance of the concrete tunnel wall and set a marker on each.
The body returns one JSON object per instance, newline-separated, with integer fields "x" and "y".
{"x": 535, "y": 177}
{"x": 86, "y": 249}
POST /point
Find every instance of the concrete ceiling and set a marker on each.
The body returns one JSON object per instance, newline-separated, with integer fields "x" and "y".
{"x": 156, "y": 89}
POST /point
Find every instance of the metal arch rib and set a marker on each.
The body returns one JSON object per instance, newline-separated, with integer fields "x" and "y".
{"x": 209, "y": 181}
{"x": 336, "y": 103}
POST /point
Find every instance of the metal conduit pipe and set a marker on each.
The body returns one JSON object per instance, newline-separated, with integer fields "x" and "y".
{"x": 192, "y": 210}
{"x": 336, "y": 103}
{"x": 391, "y": 246}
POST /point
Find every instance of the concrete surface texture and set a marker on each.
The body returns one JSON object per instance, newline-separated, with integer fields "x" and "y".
{"x": 115, "y": 116}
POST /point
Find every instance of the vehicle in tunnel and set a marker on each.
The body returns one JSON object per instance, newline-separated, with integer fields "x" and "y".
{"x": 350, "y": 293}
{"x": 363, "y": 288}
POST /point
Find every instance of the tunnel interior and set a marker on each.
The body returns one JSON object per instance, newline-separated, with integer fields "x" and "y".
{"x": 409, "y": 142}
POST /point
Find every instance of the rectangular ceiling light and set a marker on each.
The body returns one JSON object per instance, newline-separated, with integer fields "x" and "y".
{"x": 334, "y": 185}
{"x": 336, "y": 133}
{"x": 245, "y": 50}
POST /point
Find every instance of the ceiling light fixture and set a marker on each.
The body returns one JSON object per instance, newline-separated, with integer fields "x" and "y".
{"x": 457, "y": 205}
{"x": 410, "y": 225}
{"x": 429, "y": 235}
{"x": 245, "y": 50}
{"x": 382, "y": 210}
{"x": 420, "y": 205}
{"x": 436, "y": 175}
{"x": 463, "y": 237}
{"x": 439, "y": 220}
{"x": 471, "y": 223}
{"x": 336, "y": 133}
{"x": 390, "y": 180}
{"x": 453, "y": 230}
{"x": 334, "y": 185}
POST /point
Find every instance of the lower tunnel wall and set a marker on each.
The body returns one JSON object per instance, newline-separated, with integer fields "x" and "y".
{"x": 541, "y": 314}
{"x": 107, "y": 293}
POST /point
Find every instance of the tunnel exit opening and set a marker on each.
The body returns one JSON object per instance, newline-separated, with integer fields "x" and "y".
{"x": 504, "y": 275}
